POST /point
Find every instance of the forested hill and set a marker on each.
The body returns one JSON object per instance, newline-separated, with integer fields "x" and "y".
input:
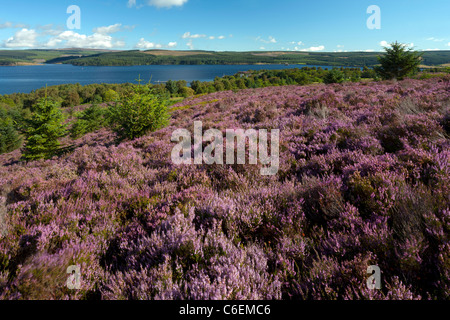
{"x": 80, "y": 57}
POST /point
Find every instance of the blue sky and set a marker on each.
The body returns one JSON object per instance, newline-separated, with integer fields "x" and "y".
{"x": 231, "y": 25}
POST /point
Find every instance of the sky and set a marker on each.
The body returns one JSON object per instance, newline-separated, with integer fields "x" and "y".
{"x": 231, "y": 25}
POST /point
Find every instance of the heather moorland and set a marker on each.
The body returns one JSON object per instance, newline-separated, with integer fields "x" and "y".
{"x": 363, "y": 180}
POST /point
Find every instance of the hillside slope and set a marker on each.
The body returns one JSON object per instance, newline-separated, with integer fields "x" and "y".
{"x": 363, "y": 180}
{"x": 90, "y": 57}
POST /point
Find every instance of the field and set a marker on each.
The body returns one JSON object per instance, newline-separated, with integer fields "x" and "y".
{"x": 364, "y": 180}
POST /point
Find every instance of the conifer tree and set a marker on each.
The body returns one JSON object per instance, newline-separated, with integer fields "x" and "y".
{"x": 398, "y": 62}
{"x": 43, "y": 130}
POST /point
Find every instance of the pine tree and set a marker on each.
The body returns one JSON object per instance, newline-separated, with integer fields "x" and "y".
{"x": 43, "y": 131}
{"x": 140, "y": 112}
{"x": 9, "y": 137}
{"x": 398, "y": 62}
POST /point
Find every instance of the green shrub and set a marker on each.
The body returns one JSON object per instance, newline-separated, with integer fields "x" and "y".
{"x": 110, "y": 95}
{"x": 90, "y": 120}
{"x": 140, "y": 112}
{"x": 334, "y": 76}
{"x": 43, "y": 131}
{"x": 187, "y": 92}
{"x": 9, "y": 137}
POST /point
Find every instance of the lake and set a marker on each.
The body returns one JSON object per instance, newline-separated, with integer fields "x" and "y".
{"x": 27, "y": 78}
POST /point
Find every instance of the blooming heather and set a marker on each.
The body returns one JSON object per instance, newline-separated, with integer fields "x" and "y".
{"x": 363, "y": 180}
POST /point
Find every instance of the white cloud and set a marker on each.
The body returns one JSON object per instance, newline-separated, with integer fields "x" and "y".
{"x": 436, "y": 49}
{"x": 188, "y": 35}
{"x": 319, "y": 48}
{"x": 270, "y": 40}
{"x": 143, "y": 44}
{"x": 435, "y": 40}
{"x": 190, "y": 44}
{"x": 262, "y": 48}
{"x": 71, "y": 39}
{"x": 166, "y": 3}
{"x": 218, "y": 38}
{"x": 49, "y": 30}
{"x": 159, "y": 3}
{"x": 6, "y": 25}
{"x": 386, "y": 44}
{"x": 448, "y": 44}
{"x": 109, "y": 29}
{"x": 340, "y": 46}
{"x": 24, "y": 38}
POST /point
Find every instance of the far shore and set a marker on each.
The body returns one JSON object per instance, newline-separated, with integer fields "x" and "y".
{"x": 21, "y": 64}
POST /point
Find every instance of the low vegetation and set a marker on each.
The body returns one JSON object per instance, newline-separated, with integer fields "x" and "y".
{"x": 363, "y": 180}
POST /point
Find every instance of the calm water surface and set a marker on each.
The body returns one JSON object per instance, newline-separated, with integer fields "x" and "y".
{"x": 27, "y": 78}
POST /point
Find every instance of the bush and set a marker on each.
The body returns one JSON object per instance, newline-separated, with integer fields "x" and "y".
{"x": 43, "y": 131}
{"x": 110, "y": 95}
{"x": 187, "y": 92}
{"x": 139, "y": 113}
{"x": 90, "y": 120}
{"x": 334, "y": 76}
{"x": 9, "y": 137}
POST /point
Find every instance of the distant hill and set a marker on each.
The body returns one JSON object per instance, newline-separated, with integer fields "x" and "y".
{"x": 90, "y": 57}
{"x": 39, "y": 56}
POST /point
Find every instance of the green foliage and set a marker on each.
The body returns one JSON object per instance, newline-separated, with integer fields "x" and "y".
{"x": 187, "y": 92}
{"x": 334, "y": 76}
{"x": 89, "y": 120}
{"x": 43, "y": 131}
{"x": 72, "y": 99}
{"x": 9, "y": 137}
{"x": 136, "y": 57}
{"x": 398, "y": 62}
{"x": 138, "y": 113}
{"x": 110, "y": 95}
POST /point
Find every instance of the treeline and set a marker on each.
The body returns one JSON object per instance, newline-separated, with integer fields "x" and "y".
{"x": 86, "y": 57}
{"x": 136, "y": 57}
{"x": 268, "y": 78}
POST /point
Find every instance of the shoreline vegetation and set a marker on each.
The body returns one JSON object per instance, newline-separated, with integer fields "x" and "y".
{"x": 88, "y": 57}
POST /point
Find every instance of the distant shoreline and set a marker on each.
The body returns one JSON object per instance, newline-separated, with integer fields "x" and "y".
{"x": 86, "y": 57}
{"x": 22, "y": 64}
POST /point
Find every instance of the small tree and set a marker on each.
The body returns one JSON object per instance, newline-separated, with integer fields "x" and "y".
{"x": 43, "y": 131}
{"x": 110, "y": 95}
{"x": 89, "y": 120}
{"x": 334, "y": 76}
{"x": 9, "y": 137}
{"x": 139, "y": 113}
{"x": 398, "y": 62}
